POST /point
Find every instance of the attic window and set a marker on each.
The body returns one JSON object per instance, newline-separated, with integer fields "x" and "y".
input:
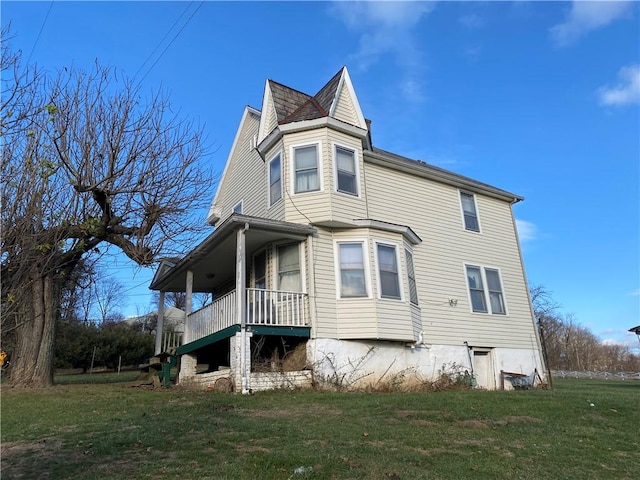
{"x": 469, "y": 212}
{"x": 306, "y": 176}
{"x": 347, "y": 181}
{"x": 238, "y": 207}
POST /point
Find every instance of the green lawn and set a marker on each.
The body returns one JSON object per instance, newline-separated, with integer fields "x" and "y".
{"x": 116, "y": 431}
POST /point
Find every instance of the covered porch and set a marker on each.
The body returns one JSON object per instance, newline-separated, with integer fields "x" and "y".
{"x": 254, "y": 268}
{"x": 223, "y": 265}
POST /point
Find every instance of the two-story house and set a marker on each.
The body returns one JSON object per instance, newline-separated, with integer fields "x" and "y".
{"x": 334, "y": 261}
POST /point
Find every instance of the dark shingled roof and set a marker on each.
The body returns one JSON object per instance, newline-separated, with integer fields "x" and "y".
{"x": 294, "y": 106}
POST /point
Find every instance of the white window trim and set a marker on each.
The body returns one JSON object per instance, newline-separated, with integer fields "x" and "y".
{"x": 269, "y": 180}
{"x": 356, "y": 160}
{"x": 400, "y": 270}
{"x": 292, "y": 167}
{"x": 485, "y": 289}
{"x": 239, "y": 204}
{"x": 475, "y": 204}
{"x": 276, "y": 265}
{"x": 367, "y": 268}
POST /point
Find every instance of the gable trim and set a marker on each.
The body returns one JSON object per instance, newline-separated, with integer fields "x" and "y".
{"x": 345, "y": 82}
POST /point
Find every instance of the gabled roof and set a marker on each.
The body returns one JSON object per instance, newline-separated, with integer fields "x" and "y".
{"x": 291, "y": 105}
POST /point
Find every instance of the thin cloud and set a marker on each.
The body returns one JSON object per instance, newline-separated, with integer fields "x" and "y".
{"x": 527, "y": 231}
{"x": 472, "y": 21}
{"x": 386, "y": 29}
{"x": 585, "y": 17}
{"x": 626, "y": 91}
{"x": 636, "y": 293}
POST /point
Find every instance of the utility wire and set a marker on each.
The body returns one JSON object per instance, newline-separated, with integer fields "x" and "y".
{"x": 171, "y": 42}
{"x": 40, "y": 32}
{"x": 163, "y": 39}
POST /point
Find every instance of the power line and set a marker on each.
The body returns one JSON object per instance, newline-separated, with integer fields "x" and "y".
{"x": 163, "y": 39}
{"x": 40, "y": 32}
{"x": 171, "y": 42}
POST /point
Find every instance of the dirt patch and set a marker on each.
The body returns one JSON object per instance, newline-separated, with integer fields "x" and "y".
{"x": 516, "y": 419}
{"x": 472, "y": 424}
{"x": 28, "y": 460}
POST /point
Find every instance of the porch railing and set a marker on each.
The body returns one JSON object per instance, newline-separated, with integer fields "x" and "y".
{"x": 264, "y": 307}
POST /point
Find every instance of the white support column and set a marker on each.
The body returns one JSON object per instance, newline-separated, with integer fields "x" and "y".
{"x": 241, "y": 283}
{"x": 160, "y": 324}
{"x": 187, "y": 306}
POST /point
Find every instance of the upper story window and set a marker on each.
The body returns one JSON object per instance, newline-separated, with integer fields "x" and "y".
{"x": 289, "y": 279}
{"x": 306, "y": 171}
{"x": 469, "y": 212}
{"x": 411, "y": 277}
{"x": 353, "y": 282}
{"x": 238, "y": 207}
{"x": 346, "y": 177}
{"x": 275, "y": 180}
{"x": 485, "y": 290}
{"x": 389, "y": 281}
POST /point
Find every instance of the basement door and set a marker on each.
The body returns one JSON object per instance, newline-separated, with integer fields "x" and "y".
{"x": 483, "y": 369}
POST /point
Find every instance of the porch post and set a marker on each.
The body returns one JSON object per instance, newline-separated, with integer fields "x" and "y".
{"x": 241, "y": 303}
{"x": 187, "y": 307}
{"x": 160, "y": 324}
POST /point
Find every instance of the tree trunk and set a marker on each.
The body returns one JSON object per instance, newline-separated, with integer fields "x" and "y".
{"x": 32, "y": 363}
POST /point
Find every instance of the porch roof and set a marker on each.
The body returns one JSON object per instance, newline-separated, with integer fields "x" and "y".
{"x": 213, "y": 262}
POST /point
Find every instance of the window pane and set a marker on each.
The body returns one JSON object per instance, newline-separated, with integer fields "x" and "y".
{"x": 352, "y": 277}
{"x": 306, "y": 169}
{"x": 497, "y": 303}
{"x": 307, "y": 180}
{"x": 306, "y": 157}
{"x": 345, "y": 160}
{"x": 474, "y": 277}
{"x": 493, "y": 280}
{"x": 470, "y": 214}
{"x": 353, "y": 283}
{"x": 477, "y": 301}
{"x": 347, "y": 183}
{"x": 413, "y": 290}
{"x": 275, "y": 180}
{"x": 289, "y": 268}
{"x": 388, "y": 268}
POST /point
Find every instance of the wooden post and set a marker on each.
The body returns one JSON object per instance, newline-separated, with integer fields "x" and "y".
{"x": 241, "y": 303}
{"x": 160, "y": 324}
{"x": 187, "y": 305}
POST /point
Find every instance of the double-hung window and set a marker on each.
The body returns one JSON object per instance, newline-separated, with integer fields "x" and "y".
{"x": 469, "y": 212}
{"x": 347, "y": 181}
{"x": 389, "y": 280}
{"x": 353, "y": 281}
{"x": 306, "y": 172}
{"x": 275, "y": 180}
{"x": 411, "y": 277}
{"x": 485, "y": 290}
{"x": 289, "y": 279}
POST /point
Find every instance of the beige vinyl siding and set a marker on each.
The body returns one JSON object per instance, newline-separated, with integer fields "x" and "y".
{"x": 345, "y": 207}
{"x": 325, "y": 205}
{"x": 345, "y": 109}
{"x": 277, "y": 210}
{"x": 270, "y": 118}
{"x": 324, "y": 270}
{"x": 433, "y": 211}
{"x": 245, "y": 177}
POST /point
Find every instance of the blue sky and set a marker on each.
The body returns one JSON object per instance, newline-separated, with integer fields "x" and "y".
{"x": 538, "y": 98}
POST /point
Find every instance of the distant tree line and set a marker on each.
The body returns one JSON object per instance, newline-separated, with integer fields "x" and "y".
{"x": 570, "y": 346}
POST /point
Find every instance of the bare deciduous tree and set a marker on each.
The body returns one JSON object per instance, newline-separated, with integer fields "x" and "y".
{"x": 86, "y": 161}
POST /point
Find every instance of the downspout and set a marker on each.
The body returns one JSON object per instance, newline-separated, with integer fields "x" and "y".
{"x": 242, "y": 305}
